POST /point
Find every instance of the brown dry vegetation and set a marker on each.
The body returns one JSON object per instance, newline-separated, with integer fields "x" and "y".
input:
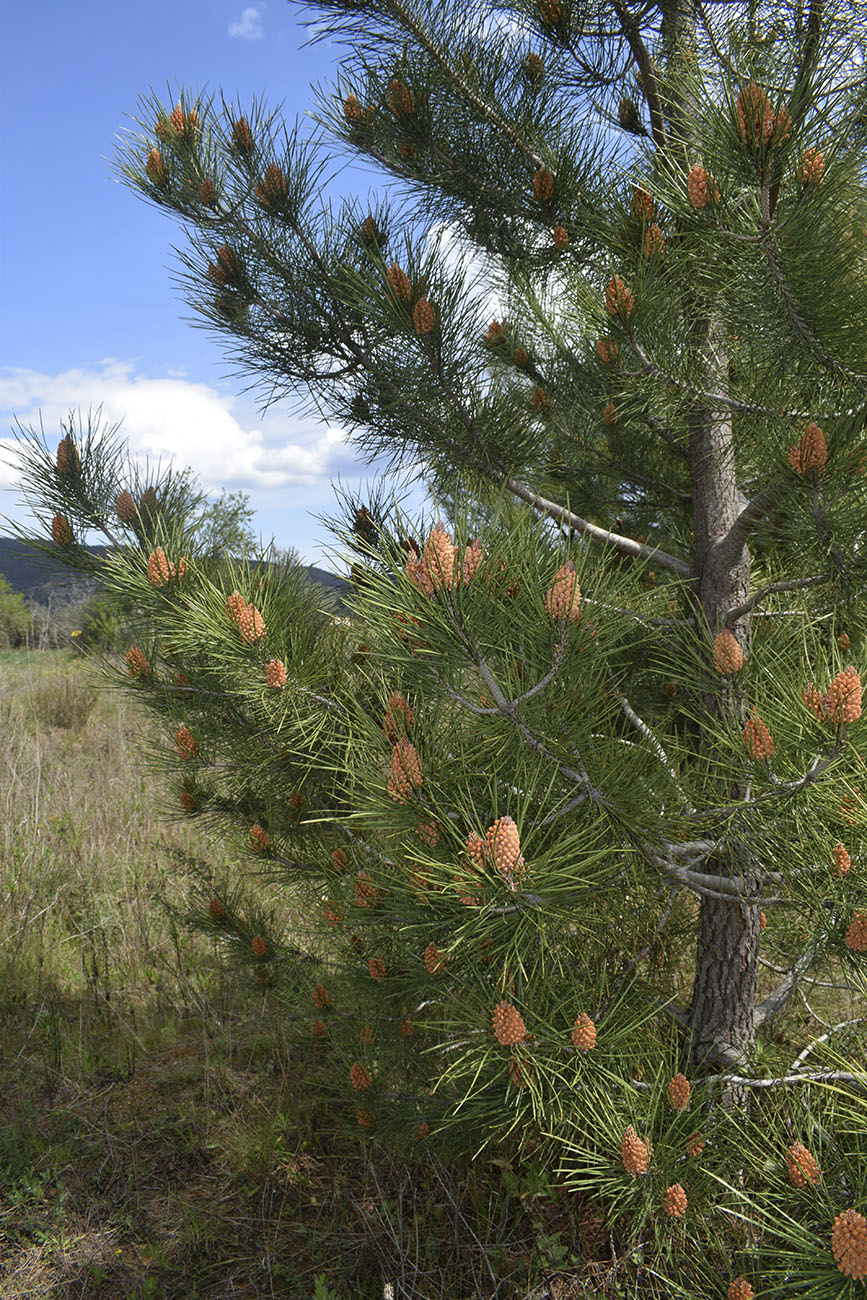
{"x": 160, "y": 1135}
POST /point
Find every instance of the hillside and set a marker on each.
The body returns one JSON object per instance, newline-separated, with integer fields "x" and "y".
{"x": 37, "y": 576}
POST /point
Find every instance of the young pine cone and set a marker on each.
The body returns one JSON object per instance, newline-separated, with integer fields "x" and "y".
{"x": 678, "y": 1092}
{"x": 634, "y": 1153}
{"x": 842, "y": 861}
{"x": 856, "y": 933}
{"x": 802, "y": 1167}
{"x": 728, "y": 657}
{"x": 810, "y": 452}
{"x": 398, "y": 283}
{"x": 674, "y": 1201}
{"x": 563, "y": 597}
{"x": 758, "y": 740}
{"x": 849, "y": 1244}
{"x": 583, "y": 1033}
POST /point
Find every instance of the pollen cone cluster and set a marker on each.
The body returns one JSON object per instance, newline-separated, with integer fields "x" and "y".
{"x": 61, "y": 531}
{"x": 508, "y": 1024}
{"x": 543, "y": 184}
{"x": 758, "y": 740}
{"x": 810, "y": 452}
{"x": 674, "y": 1201}
{"x": 583, "y": 1033}
{"x": 701, "y": 188}
{"x": 842, "y": 702}
{"x": 398, "y": 717}
{"x": 739, "y": 1289}
{"x": 842, "y": 861}
{"x": 802, "y": 1167}
{"x": 260, "y": 841}
{"x": 320, "y": 997}
{"x": 654, "y": 241}
{"x": 136, "y": 663}
{"x": 359, "y": 1077}
{"x": 68, "y": 459}
{"x": 755, "y": 121}
{"x": 728, "y": 657}
{"x": 259, "y": 946}
{"x": 563, "y": 597}
{"x": 434, "y": 959}
{"x": 856, "y": 933}
{"x": 503, "y": 847}
{"x": 811, "y": 168}
{"x": 678, "y": 1092}
{"x": 401, "y": 100}
{"x": 849, "y": 1244}
{"x": 365, "y": 891}
{"x": 125, "y": 507}
{"x": 246, "y": 618}
{"x": 424, "y": 317}
{"x": 242, "y": 137}
{"x": 156, "y": 169}
{"x": 634, "y": 1153}
{"x": 216, "y": 910}
{"x": 561, "y": 238}
{"x": 160, "y": 569}
{"x": 185, "y": 741}
{"x": 406, "y": 774}
{"x": 619, "y": 298}
{"x": 377, "y": 968}
{"x": 607, "y": 351}
{"x": 398, "y": 283}
{"x": 273, "y": 189}
{"x": 275, "y": 674}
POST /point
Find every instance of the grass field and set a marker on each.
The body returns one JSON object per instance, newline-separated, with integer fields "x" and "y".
{"x": 159, "y": 1134}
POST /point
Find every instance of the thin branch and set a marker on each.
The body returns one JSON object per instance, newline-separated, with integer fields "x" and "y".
{"x": 626, "y": 545}
{"x": 792, "y": 584}
{"x": 823, "y": 1038}
{"x": 640, "y": 53}
{"x": 728, "y": 549}
{"x": 781, "y": 995}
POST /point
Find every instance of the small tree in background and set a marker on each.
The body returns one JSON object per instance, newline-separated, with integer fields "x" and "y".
{"x": 572, "y": 818}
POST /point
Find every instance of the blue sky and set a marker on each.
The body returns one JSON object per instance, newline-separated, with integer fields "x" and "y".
{"x": 89, "y": 312}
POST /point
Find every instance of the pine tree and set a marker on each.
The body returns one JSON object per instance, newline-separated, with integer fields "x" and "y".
{"x": 566, "y": 805}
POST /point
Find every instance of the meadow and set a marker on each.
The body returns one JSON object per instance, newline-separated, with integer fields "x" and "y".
{"x": 161, "y": 1131}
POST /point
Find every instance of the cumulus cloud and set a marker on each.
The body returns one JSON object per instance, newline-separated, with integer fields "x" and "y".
{"x": 249, "y": 25}
{"x": 177, "y": 419}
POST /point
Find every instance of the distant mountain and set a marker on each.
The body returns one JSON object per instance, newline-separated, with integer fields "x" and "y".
{"x": 37, "y": 576}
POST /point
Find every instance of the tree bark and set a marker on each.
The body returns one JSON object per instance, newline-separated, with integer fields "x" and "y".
{"x": 726, "y": 966}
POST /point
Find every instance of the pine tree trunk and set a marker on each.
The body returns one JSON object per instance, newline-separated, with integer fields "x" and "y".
{"x": 724, "y": 989}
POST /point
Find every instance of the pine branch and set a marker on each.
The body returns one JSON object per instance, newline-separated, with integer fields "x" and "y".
{"x": 626, "y": 545}
{"x": 770, "y": 589}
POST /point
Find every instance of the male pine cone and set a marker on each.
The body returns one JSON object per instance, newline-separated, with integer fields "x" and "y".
{"x": 508, "y": 1025}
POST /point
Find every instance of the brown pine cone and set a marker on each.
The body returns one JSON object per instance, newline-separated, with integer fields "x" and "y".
{"x": 755, "y": 124}
{"x": 810, "y": 452}
{"x": 856, "y": 933}
{"x": 842, "y": 861}
{"x": 275, "y": 674}
{"x": 694, "y": 1145}
{"x": 607, "y": 350}
{"x": 508, "y": 1024}
{"x": 320, "y": 997}
{"x": 136, "y": 663}
{"x": 678, "y": 1092}
{"x": 849, "y": 1244}
{"x": 739, "y": 1289}
{"x": 125, "y": 507}
{"x": 561, "y": 238}
{"x": 156, "y": 169}
{"x": 842, "y": 701}
{"x": 434, "y": 959}
{"x": 504, "y": 847}
{"x": 259, "y": 946}
{"x": 583, "y": 1033}
{"x": 185, "y": 741}
{"x": 61, "y": 531}
{"x": 802, "y": 1167}
{"x": 398, "y": 717}
{"x": 273, "y": 191}
{"x": 398, "y": 283}
{"x": 674, "y": 1201}
{"x": 242, "y": 136}
{"x": 68, "y": 459}
{"x": 811, "y": 168}
{"x": 654, "y": 241}
{"x": 359, "y": 1077}
{"x": 543, "y": 184}
{"x": 634, "y": 1153}
{"x": 619, "y": 298}
{"x": 260, "y": 841}
{"x": 159, "y": 569}
{"x": 563, "y": 597}
{"x": 377, "y": 968}
{"x": 757, "y": 739}
{"x": 728, "y": 657}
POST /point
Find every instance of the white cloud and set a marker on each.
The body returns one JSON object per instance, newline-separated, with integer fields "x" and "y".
{"x": 179, "y": 420}
{"x": 249, "y": 25}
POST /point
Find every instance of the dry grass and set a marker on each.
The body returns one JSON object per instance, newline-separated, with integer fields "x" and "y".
{"x": 159, "y": 1136}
